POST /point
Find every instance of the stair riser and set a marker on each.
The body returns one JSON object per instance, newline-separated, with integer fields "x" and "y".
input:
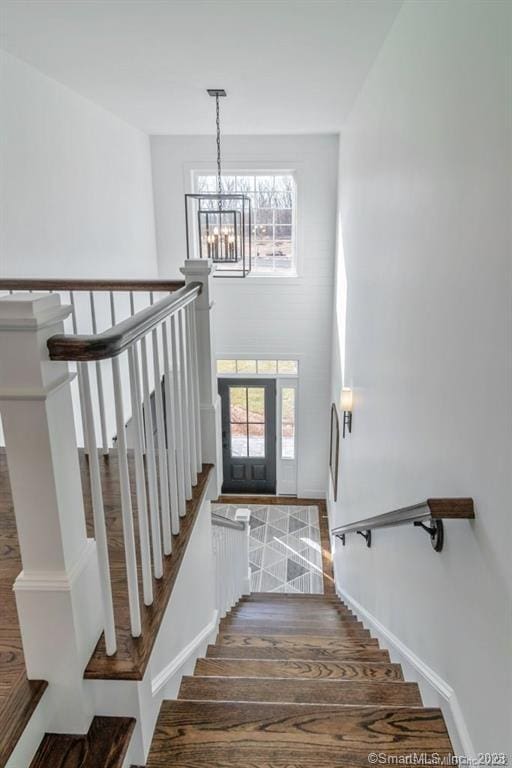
{"x": 300, "y": 691}
{"x": 257, "y": 628}
{"x": 300, "y": 670}
{"x": 298, "y": 652}
{"x": 327, "y": 642}
{"x": 324, "y": 615}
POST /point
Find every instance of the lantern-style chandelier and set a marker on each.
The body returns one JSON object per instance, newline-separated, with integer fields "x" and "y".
{"x": 219, "y": 224}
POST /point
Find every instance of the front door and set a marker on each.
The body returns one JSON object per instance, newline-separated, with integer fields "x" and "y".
{"x": 248, "y": 435}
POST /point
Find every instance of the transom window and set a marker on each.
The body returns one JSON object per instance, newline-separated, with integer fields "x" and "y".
{"x": 261, "y": 367}
{"x": 273, "y": 201}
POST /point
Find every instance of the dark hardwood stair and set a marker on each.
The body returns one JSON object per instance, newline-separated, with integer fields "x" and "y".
{"x": 104, "y": 745}
{"x": 285, "y": 687}
{"x": 316, "y": 670}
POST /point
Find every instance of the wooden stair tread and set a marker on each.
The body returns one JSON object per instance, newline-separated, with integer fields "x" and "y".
{"x": 104, "y": 745}
{"x": 276, "y": 640}
{"x": 301, "y": 652}
{"x": 300, "y": 691}
{"x": 191, "y": 733}
{"x": 316, "y": 670}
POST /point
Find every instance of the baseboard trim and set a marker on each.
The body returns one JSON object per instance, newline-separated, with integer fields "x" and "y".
{"x": 55, "y": 581}
{"x": 308, "y": 493}
{"x": 161, "y": 679}
{"x": 427, "y": 677}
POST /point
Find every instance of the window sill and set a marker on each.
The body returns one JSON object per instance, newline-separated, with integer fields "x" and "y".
{"x": 256, "y": 279}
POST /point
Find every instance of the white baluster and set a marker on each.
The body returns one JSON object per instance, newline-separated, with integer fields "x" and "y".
{"x": 100, "y": 530}
{"x": 195, "y": 375}
{"x": 184, "y": 406}
{"x": 79, "y": 375}
{"x": 140, "y": 478}
{"x": 180, "y": 459}
{"x": 99, "y": 381}
{"x": 136, "y": 355}
{"x": 126, "y": 505}
{"x": 171, "y": 435}
{"x": 151, "y": 464}
{"x": 162, "y": 450}
{"x": 190, "y": 395}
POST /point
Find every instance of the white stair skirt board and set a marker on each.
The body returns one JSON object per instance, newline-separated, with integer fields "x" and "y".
{"x": 192, "y": 649}
{"x": 434, "y": 690}
{"x": 285, "y": 554}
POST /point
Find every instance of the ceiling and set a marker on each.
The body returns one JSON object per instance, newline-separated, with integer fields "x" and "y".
{"x": 289, "y": 66}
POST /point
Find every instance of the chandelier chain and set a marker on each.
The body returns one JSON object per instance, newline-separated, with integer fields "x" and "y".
{"x": 219, "y": 176}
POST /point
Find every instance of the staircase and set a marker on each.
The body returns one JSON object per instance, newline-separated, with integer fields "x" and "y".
{"x": 295, "y": 681}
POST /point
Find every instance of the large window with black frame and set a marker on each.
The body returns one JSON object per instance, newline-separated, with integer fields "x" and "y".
{"x": 273, "y": 201}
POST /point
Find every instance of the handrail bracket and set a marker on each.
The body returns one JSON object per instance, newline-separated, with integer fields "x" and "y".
{"x": 435, "y": 531}
{"x": 367, "y": 535}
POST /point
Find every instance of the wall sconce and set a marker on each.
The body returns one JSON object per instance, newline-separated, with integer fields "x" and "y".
{"x": 346, "y": 407}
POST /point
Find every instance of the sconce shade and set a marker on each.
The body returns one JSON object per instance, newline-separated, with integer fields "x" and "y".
{"x": 346, "y": 400}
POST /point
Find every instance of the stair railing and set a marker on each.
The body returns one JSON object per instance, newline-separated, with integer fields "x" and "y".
{"x": 230, "y": 540}
{"x": 96, "y": 305}
{"x": 161, "y": 389}
{"x": 427, "y": 515}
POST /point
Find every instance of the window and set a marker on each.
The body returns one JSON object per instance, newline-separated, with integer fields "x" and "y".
{"x": 262, "y": 367}
{"x": 288, "y": 423}
{"x": 247, "y": 421}
{"x": 273, "y": 201}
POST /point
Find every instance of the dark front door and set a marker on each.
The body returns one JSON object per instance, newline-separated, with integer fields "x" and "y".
{"x": 248, "y": 435}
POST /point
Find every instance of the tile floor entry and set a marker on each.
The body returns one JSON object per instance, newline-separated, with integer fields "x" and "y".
{"x": 285, "y": 554}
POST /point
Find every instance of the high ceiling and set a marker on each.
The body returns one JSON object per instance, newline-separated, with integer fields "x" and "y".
{"x": 289, "y": 66}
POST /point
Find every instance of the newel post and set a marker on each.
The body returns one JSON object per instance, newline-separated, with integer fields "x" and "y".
{"x": 57, "y": 592}
{"x": 201, "y": 271}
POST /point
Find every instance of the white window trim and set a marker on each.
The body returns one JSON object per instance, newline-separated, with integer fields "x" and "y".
{"x": 296, "y": 168}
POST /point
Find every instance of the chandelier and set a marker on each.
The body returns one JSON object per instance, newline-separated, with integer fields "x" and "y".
{"x": 219, "y": 224}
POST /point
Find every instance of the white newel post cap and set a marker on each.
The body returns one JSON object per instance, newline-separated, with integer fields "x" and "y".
{"x": 243, "y": 515}
{"x": 200, "y": 271}
{"x": 27, "y": 320}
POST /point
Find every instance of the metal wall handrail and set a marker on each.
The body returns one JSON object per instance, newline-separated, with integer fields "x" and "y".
{"x": 432, "y": 511}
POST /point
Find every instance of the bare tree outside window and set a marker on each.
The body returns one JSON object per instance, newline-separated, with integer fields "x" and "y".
{"x": 273, "y": 200}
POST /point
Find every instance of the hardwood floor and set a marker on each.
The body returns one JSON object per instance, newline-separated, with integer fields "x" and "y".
{"x": 305, "y": 698}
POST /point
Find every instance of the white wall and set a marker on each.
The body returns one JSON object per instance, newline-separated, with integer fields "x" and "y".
{"x": 425, "y": 241}
{"x": 268, "y": 316}
{"x": 76, "y": 195}
{"x": 76, "y": 192}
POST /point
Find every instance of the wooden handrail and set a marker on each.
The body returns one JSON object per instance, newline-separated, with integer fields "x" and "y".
{"x": 432, "y": 511}
{"x": 115, "y": 340}
{"x": 71, "y": 284}
{"x": 226, "y": 522}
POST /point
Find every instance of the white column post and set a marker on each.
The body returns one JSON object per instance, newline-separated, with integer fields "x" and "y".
{"x": 244, "y": 516}
{"x": 201, "y": 271}
{"x": 58, "y": 591}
